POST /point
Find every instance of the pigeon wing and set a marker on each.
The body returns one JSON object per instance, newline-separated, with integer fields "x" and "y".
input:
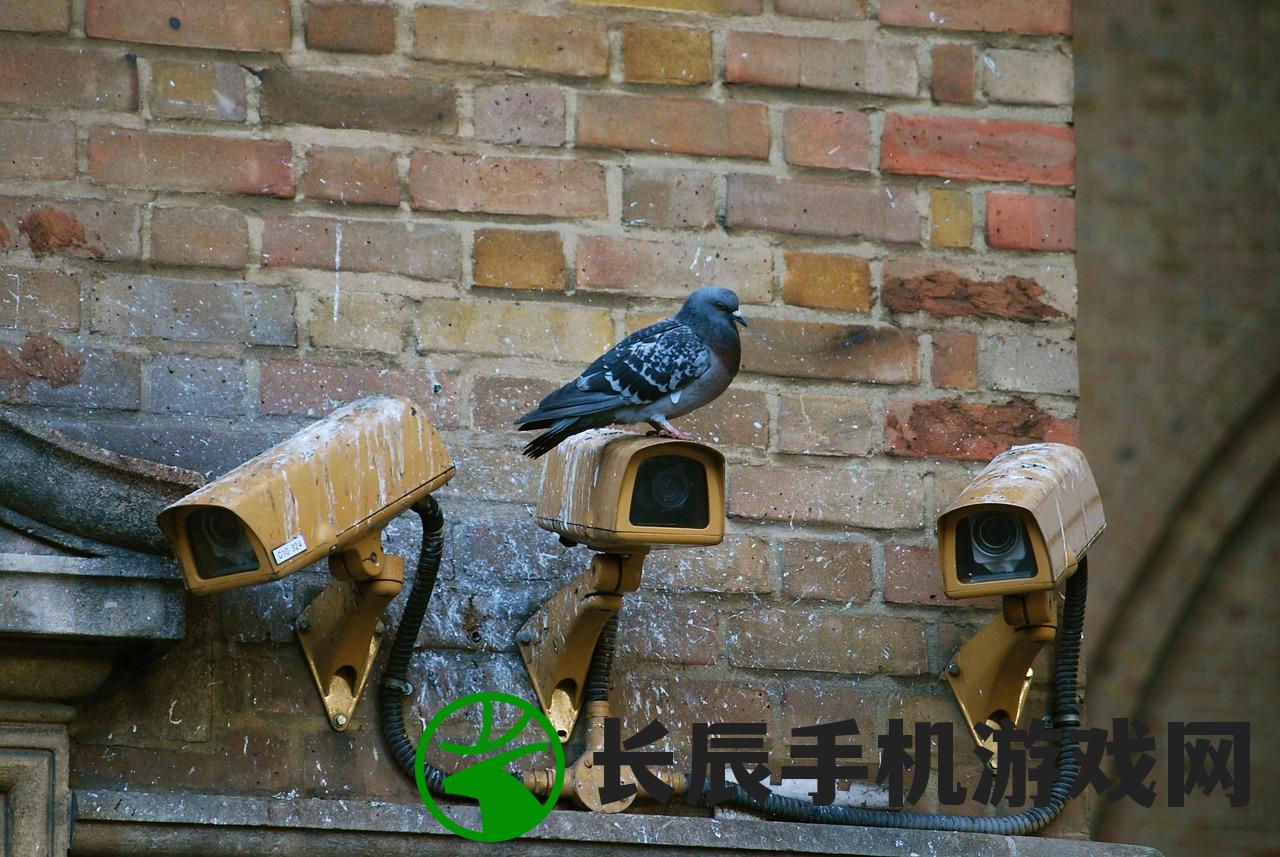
{"x": 651, "y": 363}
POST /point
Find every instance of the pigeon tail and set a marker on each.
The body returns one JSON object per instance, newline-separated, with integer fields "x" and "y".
{"x": 562, "y": 430}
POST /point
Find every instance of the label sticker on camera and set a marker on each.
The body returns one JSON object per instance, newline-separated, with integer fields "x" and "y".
{"x": 289, "y": 549}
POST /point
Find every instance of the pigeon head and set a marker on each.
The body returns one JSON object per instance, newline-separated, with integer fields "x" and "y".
{"x": 711, "y": 310}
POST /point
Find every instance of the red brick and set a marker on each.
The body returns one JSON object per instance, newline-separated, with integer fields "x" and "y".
{"x": 946, "y": 289}
{"x": 797, "y": 639}
{"x": 952, "y": 81}
{"x": 826, "y": 570}
{"x": 87, "y": 228}
{"x": 356, "y": 28}
{"x": 1025, "y": 222}
{"x": 193, "y": 311}
{"x": 37, "y": 150}
{"x": 821, "y": 137}
{"x": 517, "y": 259}
{"x": 36, "y": 16}
{"x": 43, "y": 371}
{"x": 912, "y": 574}
{"x": 196, "y": 385}
{"x": 668, "y": 199}
{"x": 955, "y": 360}
{"x": 1034, "y": 17}
{"x": 852, "y": 495}
{"x": 826, "y": 425}
{"x": 843, "y": 352}
{"x": 359, "y": 176}
{"x": 314, "y": 389}
{"x": 690, "y": 126}
{"x": 671, "y": 55}
{"x": 207, "y": 236}
{"x": 380, "y": 103}
{"x": 671, "y": 269}
{"x": 989, "y": 150}
{"x": 738, "y": 564}
{"x": 569, "y": 46}
{"x": 828, "y": 209}
{"x": 524, "y": 115}
{"x": 827, "y": 281}
{"x": 247, "y": 25}
{"x": 950, "y": 428}
{"x": 53, "y": 77}
{"x": 827, "y": 10}
{"x": 658, "y": 628}
{"x": 502, "y": 185}
{"x": 186, "y": 162}
{"x": 419, "y": 250}
{"x": 191, "y": 90}
{"x": 842, "y": 65}
{"x": 39, "y": 300}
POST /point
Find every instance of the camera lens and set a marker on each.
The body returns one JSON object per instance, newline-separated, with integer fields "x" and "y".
{"x": 220, "y": 544}
{"x": 222, "y": 528}
{"x": 670, "y": 488}
{"x": 670, "y": 491}
{"x": 995, "y": 533}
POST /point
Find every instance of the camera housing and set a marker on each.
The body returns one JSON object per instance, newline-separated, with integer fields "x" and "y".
{"x": 1022, "y": 525}
{"x": 612, "y": 490}
{"x": 326, "y": 488}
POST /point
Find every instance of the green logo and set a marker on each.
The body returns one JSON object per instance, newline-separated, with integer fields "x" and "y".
{"x": 507, "y": 809}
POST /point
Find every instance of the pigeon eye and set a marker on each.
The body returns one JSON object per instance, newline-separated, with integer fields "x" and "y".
{"x": 721, "y": 306}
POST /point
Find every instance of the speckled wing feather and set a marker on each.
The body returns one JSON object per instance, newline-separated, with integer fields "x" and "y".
{"x": 651, "y": 363}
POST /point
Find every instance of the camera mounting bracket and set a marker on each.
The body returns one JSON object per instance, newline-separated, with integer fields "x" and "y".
{"x": 558, "y": 641}
{"x": 341, "y": 629}
{"x": 991, "y": 673}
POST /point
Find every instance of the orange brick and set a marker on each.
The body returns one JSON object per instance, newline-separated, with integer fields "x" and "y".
{"x": 1024, "y": 222}
{"x": 691, "y": 126}
{"x": 979, "y": 149}
{"x": 670, "y": 55}
{"x": 950, "y": 218}
{"x": 820, "y": 137}
{"x": 360, "y": 176}
{"x": 247, "y": 25}
{"x": 187, "y": 162}
{"x": 955, "y": 360}
{"x": 569, "y": 46}
{"x": 514, "y": 259}
{"x": 357, "y": 28}
{"x": 827, "y": 10}
{"x": 503, "y": 185}
{"x": 827, "y": 281}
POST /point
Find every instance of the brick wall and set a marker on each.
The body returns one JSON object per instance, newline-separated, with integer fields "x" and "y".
{"x": 218, "y": 221}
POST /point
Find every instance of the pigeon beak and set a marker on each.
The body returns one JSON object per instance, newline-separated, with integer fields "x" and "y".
{"x": 737, "y": 316}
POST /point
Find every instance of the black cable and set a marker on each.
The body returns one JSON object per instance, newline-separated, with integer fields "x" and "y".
{"x": 1066, "y": 716}
{"x": 597, "y": 686}
{"x": 395, "y": 684}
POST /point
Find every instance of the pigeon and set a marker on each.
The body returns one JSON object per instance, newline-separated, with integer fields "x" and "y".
{"x": 659, "y": 372}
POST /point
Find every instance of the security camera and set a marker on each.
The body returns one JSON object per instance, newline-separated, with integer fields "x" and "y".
{"x": 615, "y": 491}
{"x": 1022, "y": 525}
{"x": 621, "y": 495}
{"x": 330, "y": 487}
{"x": 1018, "y": 531}
{"x": 326, "y": 492}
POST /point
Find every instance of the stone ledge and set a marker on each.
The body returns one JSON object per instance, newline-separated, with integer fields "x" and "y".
{"x": 140, "y": 823}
